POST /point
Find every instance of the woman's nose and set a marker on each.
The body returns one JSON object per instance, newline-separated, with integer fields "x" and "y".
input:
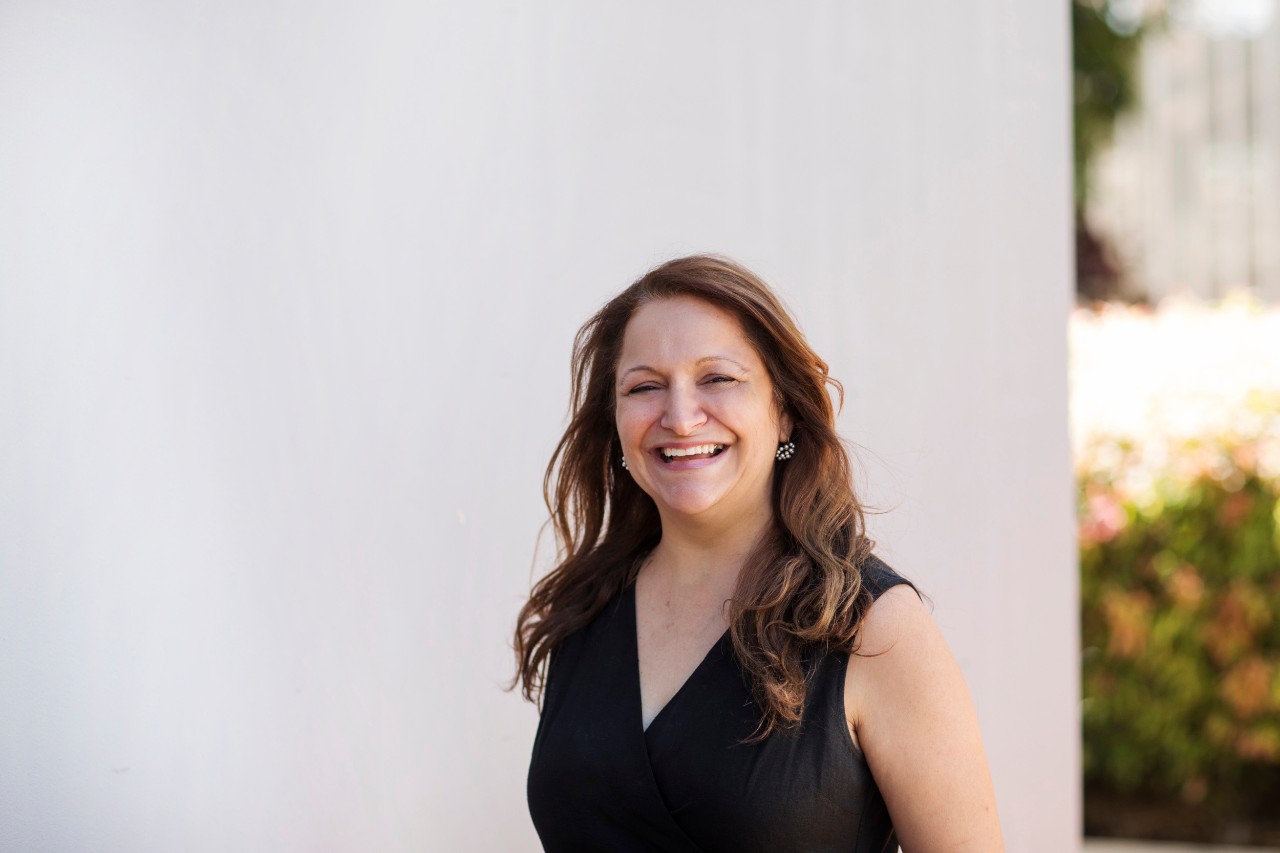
{"x": 684, "y": 412}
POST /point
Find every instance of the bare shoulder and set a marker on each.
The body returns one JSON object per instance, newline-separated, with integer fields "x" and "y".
{"x": 899, "y": 643}
{"x": 910, "y": 712}
{"x": 897, "y": 613}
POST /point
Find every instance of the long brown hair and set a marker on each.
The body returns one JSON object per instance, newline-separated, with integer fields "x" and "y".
{"x": 801, "y": 587}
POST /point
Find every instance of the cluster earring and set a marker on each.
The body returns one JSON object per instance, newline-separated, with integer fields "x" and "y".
{"x": 786, "y": 450}
{"x": 624, "y": 463}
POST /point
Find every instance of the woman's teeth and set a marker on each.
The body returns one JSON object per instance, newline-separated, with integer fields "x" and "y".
{"x": 701, "y": 451}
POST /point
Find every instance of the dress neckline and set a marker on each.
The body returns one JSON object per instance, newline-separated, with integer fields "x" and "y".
{"x": 690, "y": 681}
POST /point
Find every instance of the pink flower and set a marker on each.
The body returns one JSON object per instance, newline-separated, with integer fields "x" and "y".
{"x": 1103, "y": 518}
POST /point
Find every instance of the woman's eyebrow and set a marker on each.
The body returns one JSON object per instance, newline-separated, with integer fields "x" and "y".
{"x": 699, "y": 362}
{"x": 734, "y": 361}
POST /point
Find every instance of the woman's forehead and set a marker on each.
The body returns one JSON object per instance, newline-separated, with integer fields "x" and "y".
{"x": 684, "y": 329}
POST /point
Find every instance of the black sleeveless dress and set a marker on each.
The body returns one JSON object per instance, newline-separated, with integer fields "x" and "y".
{"x": 600, "y": 781}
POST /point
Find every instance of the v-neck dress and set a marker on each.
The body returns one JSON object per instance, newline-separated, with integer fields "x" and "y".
{"x": 600, "y": 781}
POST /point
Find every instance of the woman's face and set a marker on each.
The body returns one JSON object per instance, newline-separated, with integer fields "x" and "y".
{"x": 696, "y": 412}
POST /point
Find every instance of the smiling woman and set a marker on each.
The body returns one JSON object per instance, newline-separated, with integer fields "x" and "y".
{"x": 722, "y": 661}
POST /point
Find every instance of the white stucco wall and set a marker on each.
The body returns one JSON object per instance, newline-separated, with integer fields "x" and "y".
{"x": 286, "y": 299}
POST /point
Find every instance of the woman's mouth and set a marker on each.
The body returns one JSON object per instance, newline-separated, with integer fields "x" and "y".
{"x": 688, "y": 454}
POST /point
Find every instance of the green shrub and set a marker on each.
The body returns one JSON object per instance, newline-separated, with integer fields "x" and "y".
{"x": 1180, "y": 593}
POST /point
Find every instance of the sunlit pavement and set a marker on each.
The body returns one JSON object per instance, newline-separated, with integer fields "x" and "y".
{"x": 1099, "y": 845}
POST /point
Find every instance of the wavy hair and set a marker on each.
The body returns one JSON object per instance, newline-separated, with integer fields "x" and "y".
{"x": 801, "y": 587}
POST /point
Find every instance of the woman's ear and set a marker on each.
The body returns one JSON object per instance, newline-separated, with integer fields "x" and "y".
{"x": 784, "y": 427}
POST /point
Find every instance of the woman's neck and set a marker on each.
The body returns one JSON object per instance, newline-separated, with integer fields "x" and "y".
{"x": 700, "y": 555}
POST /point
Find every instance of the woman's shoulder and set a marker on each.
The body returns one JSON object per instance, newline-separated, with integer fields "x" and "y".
{"x": 896, "y": 637}
{"x": 910, "y": 712}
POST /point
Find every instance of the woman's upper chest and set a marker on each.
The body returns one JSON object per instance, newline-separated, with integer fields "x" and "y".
{"x": 674, "y": 636}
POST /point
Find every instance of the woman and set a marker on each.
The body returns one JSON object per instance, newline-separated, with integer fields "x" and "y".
{"x": 728, "y": 666}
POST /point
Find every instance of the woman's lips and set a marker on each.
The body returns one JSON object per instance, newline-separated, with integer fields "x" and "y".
{"x": 698, "y": 459}
{"x": 686, "y": 451}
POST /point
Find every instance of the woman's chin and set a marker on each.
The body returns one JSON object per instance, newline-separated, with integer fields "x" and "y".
{"x": 696, "y": 506}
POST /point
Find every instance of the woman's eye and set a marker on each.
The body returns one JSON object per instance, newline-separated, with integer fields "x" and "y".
{"x": 722, "y": 379}
{"x": 640, "y": 389}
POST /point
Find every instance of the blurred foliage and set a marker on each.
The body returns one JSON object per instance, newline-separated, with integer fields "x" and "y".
{"x": 1180, "y": 590}
{"x": 1104, "y": 59}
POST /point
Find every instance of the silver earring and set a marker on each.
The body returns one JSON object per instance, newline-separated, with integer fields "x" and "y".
{"x": 786, "y": 450}
{"x": 624, "y": 463}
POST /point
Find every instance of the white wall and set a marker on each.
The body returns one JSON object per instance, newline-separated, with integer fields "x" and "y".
{"x": 286, "y": 298}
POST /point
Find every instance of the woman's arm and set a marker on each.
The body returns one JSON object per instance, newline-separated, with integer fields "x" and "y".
{"x": 912, "y": 716}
